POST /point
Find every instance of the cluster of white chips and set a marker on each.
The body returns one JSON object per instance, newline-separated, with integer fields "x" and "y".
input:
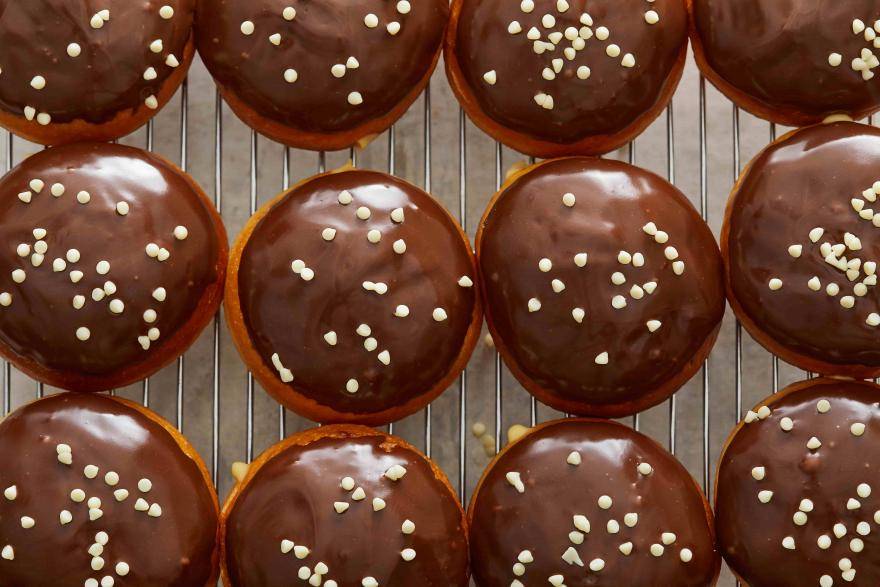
{"x": 866, "y": 61}
{"x": 345, "y": 64}
{"x": 98, "y": 20}
{"x": 624, "y": 258}
{"x": 853, "y": 535}
{"x": 549, "y": 34}
{"x": 98, "y": 551}
{"x": 857, "y": 274}
{"x": 316, "y": 575}
{"x": 37, "y": 251}
{"x": 581, "y": 527}
{"x": 374, "y": 237}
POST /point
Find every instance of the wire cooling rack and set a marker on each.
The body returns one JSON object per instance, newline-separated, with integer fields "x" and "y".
{"x": 211, "y": 397}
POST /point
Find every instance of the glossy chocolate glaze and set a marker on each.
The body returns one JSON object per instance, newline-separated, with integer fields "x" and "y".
{"x": 751, "y": 532}
{"x": 292, "y": 497}
{"x": 321, "y": 35}
{"x": 41, "y": 323}
{"x": 803, "y": 182}
{"x": 777, "y": 52}
{"x": 505, "y": 522}
{"x": 529, "y": 222}
{"x": 288, "y": 315}
{"x": 613, "y": 96}
{"x": 175, "y": 549}
{"x": 107, "y": 76}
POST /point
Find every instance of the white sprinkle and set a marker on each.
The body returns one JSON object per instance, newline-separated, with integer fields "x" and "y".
{"x": 601, "y": 358}
{"x": 355, "y": 98}
{"x": 351, "y": 386}
{"x": 8, "y": 553}
{"x": 651, "y": 17}
{"x": 120, "y": 494}
{"x": 439, "y": 314}
{"x": 853, "y": 504}
{"x": 371, "y": 21}
{"x": 290, "y": 75}
{"x": 657, "y": 550}
{"x": 813, "y": 443}
{"x": 374, "y": 236}
{"x": 758, "y": 473}
{"x": 857, "y": 429}
{"x": 765, "y": 496}
{"x": 378, "y": 504}
{"x": 151, "y": 102}
{"x": 247, "y": 28}
{"x": 568, "y": 199}
{"x": 408, "y": 527}
{"x": 574, "y": 458}
{"x": 514, "y": 479}
{"x": 605, "y": 502}
{"x": 155, "y": 511}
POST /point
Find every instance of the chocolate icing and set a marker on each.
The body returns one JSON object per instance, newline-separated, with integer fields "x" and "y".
{"x": 40, "y": 326}
{"x": 805, "y": 181}
{"x": 290, "y": 316}
{"x": 322, "y": 34}
{"x": 107, "y": 76}
{"x": 613, "y": 96}
{"x": 751, "y": 532}
{"x": 548, "y": 348}
{"x": 777, "y": 52}
{"x": 292, "y": 498}
{"x": 175, "y": 549}
{"x": 504, "y": 522}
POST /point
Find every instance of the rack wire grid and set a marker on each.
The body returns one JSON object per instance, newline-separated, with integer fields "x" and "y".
{"x": 700, "y": 144}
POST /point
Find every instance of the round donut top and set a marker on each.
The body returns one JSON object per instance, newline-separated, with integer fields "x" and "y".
{"x": 106, "y": 252}
{"x": 801, "y": 251}
{"x": 589, "y": 502}
{"x": 66, "y": 60}
{"x": 95, "y": 493}
{"x": 320, "y": 67}
{"x": 357, "y": 291}
{"x": 352, "y": 506}
{"x": 564, "y": 70}
{"x": 797, "y": 500}
{"x": 601, "y": 281}
{"x": 815, "y": 58}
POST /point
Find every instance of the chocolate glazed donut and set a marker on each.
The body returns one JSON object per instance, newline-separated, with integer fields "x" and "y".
{"x": 353, "y": 297}
{"x": 582, "y": 503}
{"x": 798, "y": 492}
{"x": 565, "y": 77}
{"x": 603, "y": 286}
{"x": 321, "y": 75}
{"x": 97, "y": 491}
{"x": 800, "y": 255}
{"x": 113, "y": 260}
{"x": 77, "y": 70}
{"x": 793, "y": 62}
{"x": 343, "y": 506}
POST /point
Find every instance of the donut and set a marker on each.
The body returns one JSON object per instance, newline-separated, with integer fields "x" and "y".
{"x": 800, "y": 263}
{"x": 98, "y": 491}
{"x": 582, "y": 502}
{"x": 789, "y": 61}
{"x": 352, "y": 297}
{"x": 794, "y": 499}
{"x": 343, "y": 505}
{"x": 603, "y": 287}
{"x": 320, "y": 75}
{"x": 77, "y": 70}
{"x": 113, "y": 261}
{"x": 565, "y": 77}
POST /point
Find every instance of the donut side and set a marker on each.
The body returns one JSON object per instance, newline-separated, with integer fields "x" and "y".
{"x": 341, "y": 432}
{"x": 647, "y": 399}
{"x": 287, "y": 394}
{"x": 172, "y": 346}
{"x": 755, "y": 330}
{"x": 706, "y": 506}
{"x": 592, "y": 145}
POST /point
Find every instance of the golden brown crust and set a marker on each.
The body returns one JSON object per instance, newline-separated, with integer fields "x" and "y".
{"x": 174, "y": 346}
{"x": 594, "y": 145}
{"x": 286, "y": 393}
{"x": 305, "y": 438}
{"x": 123, "y": 123}
{"x": 360, "y": 136}
{"x": 554, "y": 400}
{"x": 804, "y": 362}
